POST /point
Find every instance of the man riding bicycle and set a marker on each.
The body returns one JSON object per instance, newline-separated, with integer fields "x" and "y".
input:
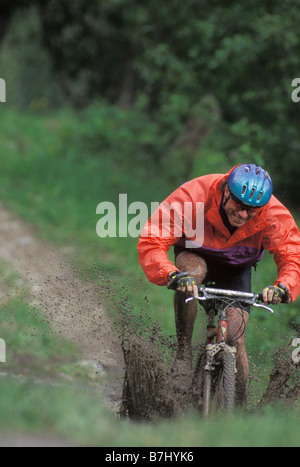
{"x": 241, "y": 219}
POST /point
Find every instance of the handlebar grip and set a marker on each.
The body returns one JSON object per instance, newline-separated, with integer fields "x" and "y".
{"x": 260, "y": 297}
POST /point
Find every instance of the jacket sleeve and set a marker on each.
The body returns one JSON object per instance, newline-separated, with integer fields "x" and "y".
{"x": 153, "y": 257}
{"x": 163, "y": 230}
{"x": 167, "y": 225}
{"x": 282, "y": 239}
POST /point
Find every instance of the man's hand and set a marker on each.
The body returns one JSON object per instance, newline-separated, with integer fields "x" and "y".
{"x": 276, "y": 294}
{"x": 183, "y": 282}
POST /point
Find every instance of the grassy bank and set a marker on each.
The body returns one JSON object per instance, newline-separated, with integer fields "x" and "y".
{"x": 80, "y": 418}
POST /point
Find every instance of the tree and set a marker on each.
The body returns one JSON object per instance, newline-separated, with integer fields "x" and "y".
{"x": 91, "y": 47}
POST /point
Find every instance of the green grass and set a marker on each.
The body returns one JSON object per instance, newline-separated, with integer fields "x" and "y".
{"x": 79, "y": 417}
{"x": 33, "y": 349}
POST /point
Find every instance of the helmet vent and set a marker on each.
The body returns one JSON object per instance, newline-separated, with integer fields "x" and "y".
{"x": 252, "y": 193}
{"x": 247, "y": 169}
{"x": 260, "y": 196}
{"x": 244, "y": 190}
{"x": 257, "y": 170}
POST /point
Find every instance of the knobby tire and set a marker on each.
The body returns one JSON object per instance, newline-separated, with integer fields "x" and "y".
{"x": 225, "y": 386}
{"x": 219, "y": 385}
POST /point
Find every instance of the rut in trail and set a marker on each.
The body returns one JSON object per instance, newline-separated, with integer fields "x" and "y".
{"x": 72, "y": 306}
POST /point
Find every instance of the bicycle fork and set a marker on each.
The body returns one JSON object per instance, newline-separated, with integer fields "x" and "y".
{"x": 212, "y": 350}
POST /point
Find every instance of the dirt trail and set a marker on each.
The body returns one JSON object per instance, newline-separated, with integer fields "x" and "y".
{"x": 71, "y": 305}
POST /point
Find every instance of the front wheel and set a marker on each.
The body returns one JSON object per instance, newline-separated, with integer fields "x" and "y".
{"x": 224, "y": 381}
{"x": 214, "y": 380}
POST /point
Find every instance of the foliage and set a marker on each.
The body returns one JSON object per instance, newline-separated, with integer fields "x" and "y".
{"x": 169, "y": 58}
{"x": 178, "y": 53}
{"x": 26, "y": 67}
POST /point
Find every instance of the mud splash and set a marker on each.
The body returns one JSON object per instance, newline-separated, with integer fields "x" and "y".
{"x": 284, "y": 382}
{"x": 149, "y": 390}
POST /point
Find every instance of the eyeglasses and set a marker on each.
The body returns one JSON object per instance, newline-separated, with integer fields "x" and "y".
{"x": 241, "y": 206}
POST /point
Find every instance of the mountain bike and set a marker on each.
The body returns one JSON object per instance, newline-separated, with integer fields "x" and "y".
{"x": 215, "y": 374}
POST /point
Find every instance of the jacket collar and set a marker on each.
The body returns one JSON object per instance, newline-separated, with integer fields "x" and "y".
{"x": 252, "y": 226}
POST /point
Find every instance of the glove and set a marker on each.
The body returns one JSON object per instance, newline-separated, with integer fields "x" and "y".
{"x": 280, "y": 291}
{"x": 181, "y": 279}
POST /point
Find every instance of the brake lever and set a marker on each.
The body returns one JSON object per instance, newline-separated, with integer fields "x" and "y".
{"x": 258, "y": 305}
{"x": 196, "y": 298}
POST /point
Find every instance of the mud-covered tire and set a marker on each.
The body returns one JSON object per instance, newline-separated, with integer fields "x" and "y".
{"x": 225, "y": 383}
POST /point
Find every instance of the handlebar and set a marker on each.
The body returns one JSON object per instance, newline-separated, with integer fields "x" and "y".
{"x": 209, "y": 293}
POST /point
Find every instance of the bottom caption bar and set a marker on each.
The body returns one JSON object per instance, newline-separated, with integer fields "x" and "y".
{"x": 139, "y": 456}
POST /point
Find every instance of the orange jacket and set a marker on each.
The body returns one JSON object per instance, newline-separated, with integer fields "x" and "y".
{"x": 273, "y": 228}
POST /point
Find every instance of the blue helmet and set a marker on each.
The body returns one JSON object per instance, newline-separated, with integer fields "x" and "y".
{"x": 251, "y": 185}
